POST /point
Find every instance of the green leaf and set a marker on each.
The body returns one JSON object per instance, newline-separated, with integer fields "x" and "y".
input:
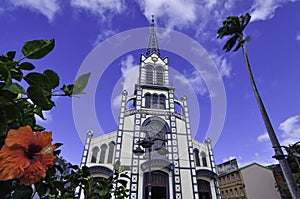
{"x": 39, "y": 112}
{"x": 57, "y": 145}
{"x": 28, "y": 120}
{"x": 38, "y": 96}
{"x": 235, "y": 26}
{"x": 56, "y": 152}
{"x": 51, "y": 171}
{"x": 41, "y": 188}
{"x": 123, "y": 175}
{"x": 2, "y": 129}
{"x": 74, "y": 167}
{"x": 37, "y": 49}
{"x": 122, "y": 182}
{"x": 245, "y": 20}
{"x": 4, "y": 73}
{"x": 6, "y": 96}
{"x": 14, "y": 88}
{"x": 12, "y": 113}
{"x": 59, "y": 185}
{"x": 85, "y": 171}
{"x": 38, "y": 128}
{"x": 68, "y": 90}
{"x": 11, "y": 55}
{"x": 26, "y": 66}
{"x": 81, "y": 83}
{"x": 38, "y": 79}
{"x": 230, "y": 43}
{"x": 16, "y": 74}
{"x": 52, "y": 77}
{"x": 59, "y": 167}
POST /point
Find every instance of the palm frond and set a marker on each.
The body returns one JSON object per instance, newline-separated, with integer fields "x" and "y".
{"x": 230, "y": 43}
{"x": 235, "y": 26}
{"x": 245, "y": 20}
{"x": 230, "y": 26}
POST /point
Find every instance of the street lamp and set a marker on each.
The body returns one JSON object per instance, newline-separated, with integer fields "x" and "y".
{"x": 147, "y": 143}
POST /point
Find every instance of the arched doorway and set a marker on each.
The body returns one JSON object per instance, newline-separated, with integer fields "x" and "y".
{"x": 204, "y": 189}
{"x": 159, "y": 185}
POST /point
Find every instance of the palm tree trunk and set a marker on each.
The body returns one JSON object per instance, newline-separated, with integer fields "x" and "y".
{"x": 294, "y": 190}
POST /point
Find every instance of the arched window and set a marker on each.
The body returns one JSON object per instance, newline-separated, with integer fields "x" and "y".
{"x": 149, "y": 74}
{"x": 162, "y": 101}
{"x": 130, "y": 104}
{"x": 159, "y": 75}
{"x": 95, "y": 152}
{"x": 155, "y": 103}
{"x": 103, "y": 152}
{"x": 110, "y": 152}
{"x": 204, "y": 188}
{"x": 203, "y": 157}
{"x": 148, "y": 100}
{"x": 178, "y": 108}
{"x": 196, "y": 156}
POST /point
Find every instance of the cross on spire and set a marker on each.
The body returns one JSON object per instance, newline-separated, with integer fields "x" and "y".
{"x": 152, "y": 42}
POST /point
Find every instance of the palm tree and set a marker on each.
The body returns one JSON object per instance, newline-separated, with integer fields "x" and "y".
{"x": 234, "y": 26}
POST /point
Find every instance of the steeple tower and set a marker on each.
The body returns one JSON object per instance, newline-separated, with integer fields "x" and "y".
{"x": 153, "y": 68}
{"x": 152, "y": 43}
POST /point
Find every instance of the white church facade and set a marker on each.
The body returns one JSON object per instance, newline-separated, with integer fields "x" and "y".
{"x": 154, "y": 139}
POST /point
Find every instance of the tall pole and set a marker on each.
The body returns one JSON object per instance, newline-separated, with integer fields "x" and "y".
{"x": 294, "y": 190}
{"x": 150, "y": 176}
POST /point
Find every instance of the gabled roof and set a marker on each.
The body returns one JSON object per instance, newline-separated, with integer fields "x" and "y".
{"x": 253, "y": 164}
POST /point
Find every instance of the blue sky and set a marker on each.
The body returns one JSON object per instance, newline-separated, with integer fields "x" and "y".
{"x": 79, "y": 27}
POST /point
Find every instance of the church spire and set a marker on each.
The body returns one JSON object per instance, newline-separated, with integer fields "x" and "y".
{"x": 152, "y": 43}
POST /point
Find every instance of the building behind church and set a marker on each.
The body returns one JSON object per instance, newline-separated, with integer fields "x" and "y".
{"x": 154, "y": 139}
{"x": 252, "y": 181}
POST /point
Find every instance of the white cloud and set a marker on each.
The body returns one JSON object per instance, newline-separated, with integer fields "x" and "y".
{"x": 48, "y": 8}
{"x": 129, "y": 74}
{"x": 194, "y": 79}
{"x": 130, "y": 77}
{"x": 298, "y": 37}
{"x": 204, "y": 16}
{"x": 196, "y": 15}
{"x": 105, "y": 9}
{"x": 116, "y": 102}
{"x": 222, "y": 64}
{"x": 263, "y": 137}
{"x": 172, "y": 11}
{"x": 290, "y": 130}
{"x": 265, "y": 9}
{"x": 104, "y": 35}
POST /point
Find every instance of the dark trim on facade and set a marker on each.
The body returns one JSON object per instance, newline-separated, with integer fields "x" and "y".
{"x": 207, "y": 173}
{"x": 101, "y": 169}
{"x": 157, "y": 163}
{"x": 153, "y": 86}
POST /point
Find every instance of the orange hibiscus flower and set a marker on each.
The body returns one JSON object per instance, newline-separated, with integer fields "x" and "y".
{"x": 26, "y": 155}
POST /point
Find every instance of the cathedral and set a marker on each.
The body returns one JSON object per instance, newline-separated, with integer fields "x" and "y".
{"x": 153, "y": 139}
